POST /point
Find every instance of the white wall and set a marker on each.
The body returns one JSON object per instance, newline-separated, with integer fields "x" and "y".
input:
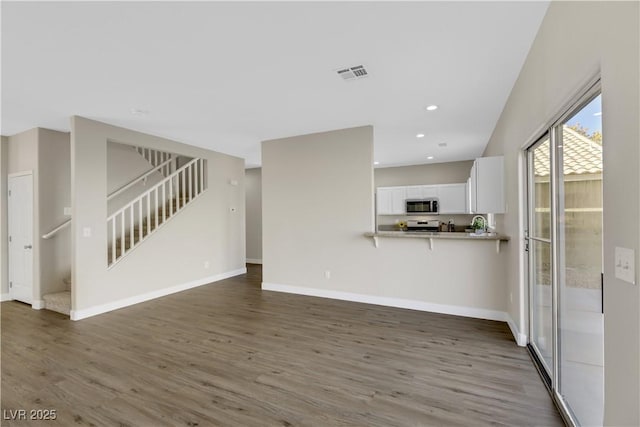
{"x": 23, "y": 157}
{"x": 428, "y": 174}
{"x": 54, "y": 183}
{"x": 317, "y": 202}
{"x": 47, "y": 154}
{"x": 124, "y": 164}
{"x": 205, "y": 231}
{"x": 253, "y": 190}
{"x": 575, "y": 42}
{"x": 4, "y": 248}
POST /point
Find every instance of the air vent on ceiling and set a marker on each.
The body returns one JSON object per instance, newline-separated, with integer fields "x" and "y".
{"x": 353, "y": 73}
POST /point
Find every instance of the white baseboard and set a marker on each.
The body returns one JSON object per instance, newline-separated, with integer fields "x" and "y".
{"x": 5, "y": 297}
{"x": 479, "y": 313}
{"x": 521, "y": 339}
{"x": 104, "y": 308}
{"x": 37, "y": 304}
{"x": 254, "y": 261}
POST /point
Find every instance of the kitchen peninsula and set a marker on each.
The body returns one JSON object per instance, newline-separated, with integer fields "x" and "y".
{"x": 431, "y": 236}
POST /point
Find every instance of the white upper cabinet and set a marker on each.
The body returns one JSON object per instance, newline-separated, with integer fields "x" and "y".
{"x": 453, "y": 198}
{"x": 414, "y": 192}
{"x": 482, "y": 193}
{"x": 486, "y": 185}
{"x": 422, "y": 191}
{"x": 471, "y": 190}
{"x": 429, "y": 191}
{"x": 391, "y": 200}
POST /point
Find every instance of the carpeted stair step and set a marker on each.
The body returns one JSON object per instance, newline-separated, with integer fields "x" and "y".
{"x": 59, "y": 302}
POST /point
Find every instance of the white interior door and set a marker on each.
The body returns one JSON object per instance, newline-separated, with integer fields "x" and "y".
{"x": 20, "y": 216}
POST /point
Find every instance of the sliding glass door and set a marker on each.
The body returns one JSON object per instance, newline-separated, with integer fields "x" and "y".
{"x": 539, "y": 247}
{"x": 580, "y": 314}
{"x": 564, "y": 243}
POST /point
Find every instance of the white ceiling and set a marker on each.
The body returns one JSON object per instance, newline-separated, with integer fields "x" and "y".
{"x": 226, "y": 76}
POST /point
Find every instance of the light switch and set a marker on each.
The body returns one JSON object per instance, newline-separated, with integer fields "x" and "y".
{"x": 625, "y": 265}
{"x": 86, "y": 232}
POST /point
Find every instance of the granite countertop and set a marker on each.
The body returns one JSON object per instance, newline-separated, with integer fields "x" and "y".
{"x": 438, "y": 235}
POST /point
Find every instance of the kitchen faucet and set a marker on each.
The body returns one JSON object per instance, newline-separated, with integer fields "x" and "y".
{"x": 483, "y": 221}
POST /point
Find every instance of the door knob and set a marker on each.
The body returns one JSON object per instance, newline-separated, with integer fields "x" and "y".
{"x": 28, "y": 246}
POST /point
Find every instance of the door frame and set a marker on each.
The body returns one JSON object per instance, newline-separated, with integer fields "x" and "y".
{"x": 35, "y": 303}
{"x": 528, "y": 224}
{"x": 586, "y": 93}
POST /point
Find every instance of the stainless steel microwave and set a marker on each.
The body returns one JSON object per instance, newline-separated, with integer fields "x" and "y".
{"x": 422, "y": 206}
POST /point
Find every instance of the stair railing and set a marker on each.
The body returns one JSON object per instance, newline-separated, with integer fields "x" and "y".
{"x": 155, "y": 157}
{"x": 138, "y": 179}
{"x": 134, "y": 222}
{"x": 57, "y": 229}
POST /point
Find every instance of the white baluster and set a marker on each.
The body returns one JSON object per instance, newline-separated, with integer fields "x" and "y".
{"x": 148, "y": 216}
{"x": 190, "y": 175}
{"x": 140, "y": 220}
{"x": 171, "y": 196}
{"x": 183, "y": 174}
{"x": 202, "y": 172}
{"x": 131, "y": 227}
{"x": 155, "y": 211}
{"x": 122, "y": 235}
{"x": 113, "y": 240}
{"x": 196, "y": 181}
{"x": 164, "y": 201}
{"x": 176, "y": 190}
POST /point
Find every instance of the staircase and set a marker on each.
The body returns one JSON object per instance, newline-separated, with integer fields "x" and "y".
{"x": 135, "y": 222}
{"x": 157, "y": 158}
{"x": 147, "y": 227}
{"x": 59, "y": 301}
{"x": 132, "y": 224}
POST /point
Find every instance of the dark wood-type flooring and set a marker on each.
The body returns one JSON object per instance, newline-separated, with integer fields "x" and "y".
{"x": 231, "y": 354}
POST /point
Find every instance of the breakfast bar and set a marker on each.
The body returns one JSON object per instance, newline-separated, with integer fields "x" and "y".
{"x": 435, "y": 235}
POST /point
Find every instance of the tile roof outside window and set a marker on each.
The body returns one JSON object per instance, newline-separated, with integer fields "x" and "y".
{"x": 581, "y": 155}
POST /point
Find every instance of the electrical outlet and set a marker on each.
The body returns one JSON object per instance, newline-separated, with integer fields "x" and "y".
{"x": 86, "y": 232}
{"x": 67, "y": 211}
{"x": 625, "y": 264}
{"x": 327, "y": 274}
{"x": 206, "y": 265}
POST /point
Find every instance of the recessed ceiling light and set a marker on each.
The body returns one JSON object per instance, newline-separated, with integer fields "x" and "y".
{"x": 430, "y": 158}
{"x": 420, "y": 135}
{"x": 376, "y": 163}
{"x": 432, "y": 107}
{"x": 139, "y": 112}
